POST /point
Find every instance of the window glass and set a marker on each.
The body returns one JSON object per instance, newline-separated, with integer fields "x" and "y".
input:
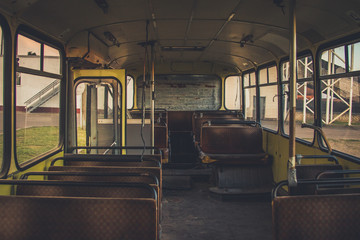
{"x": 232, "y": 93}
{"x": 183, "y": 92}
{"x": 285, "y": 72}
{"x": 252, "y": 79}
{"x": 28, "y": 52}
{"x": 340, "y": 103}
{"x": 37, "y": 116}
{"x": 333, "y": 61}
{"x": 246, "y": 79}
{"x": 340, "y": 98}
{"x": 105, "y": 109}
{"x": 37, "y": 101}
{"x": 51, "y": 60}
{"x": 272, "y": 74}
{"x": 95, "y": 115}
{"x": 304, "y": 98}
{"x": 268, "y": 98}
{"x": 250, "y": 103}
{"x": 304, "y": 68}
{"x": 130, "y": 92}
{"x": 354, "y": 57}
{"x": 263, "y": 76}
{"x": 269, "y": 106}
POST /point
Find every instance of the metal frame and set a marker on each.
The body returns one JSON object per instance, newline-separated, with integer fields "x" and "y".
{"x": 8, "y": 86}
{"x": 84, "y": 79}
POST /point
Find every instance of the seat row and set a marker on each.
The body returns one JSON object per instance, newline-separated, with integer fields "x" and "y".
{"x": 323, "y": 205}
{"x": 86, "y": 197}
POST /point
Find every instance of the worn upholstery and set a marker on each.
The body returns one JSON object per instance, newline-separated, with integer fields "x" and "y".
{"x": 197, "y": 122}
{"x": 233, "y": 144}
{"x": 84, "y": 191}
{"x": 326, "y": 217}
{"x": 44, "y": 218}
{"x": 153, "y": 170}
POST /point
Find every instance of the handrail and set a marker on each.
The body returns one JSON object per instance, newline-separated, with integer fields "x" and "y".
{"x": 319, "y": 182}
{"x": 105, "y": 174}
{"x": 329, "y": 157}
{"x": 329, "y": 172}
{"x": 115, "y": 147}
{"x": 108, "y": 150}
{"x": 109, "y": 158}
{"x": 322, "y": 134}
{"x": 42, "y": 91}
{"x": 224, "y": 121}
{"x": 80, "y": 184}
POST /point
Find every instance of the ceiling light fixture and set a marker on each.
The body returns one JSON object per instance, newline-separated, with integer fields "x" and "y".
{"x": 109, "y": 36}
{"x": 246, "y": 39}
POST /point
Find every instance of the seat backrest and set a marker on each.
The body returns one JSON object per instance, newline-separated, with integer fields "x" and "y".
{"x": 85, "y": 191}
{"x": 44, "y": 218}
{"x": 231, "y": 139}
{"x": 198, "y": 122}
{"x": 325, "y": 217}
{"x": 309, "y": 172}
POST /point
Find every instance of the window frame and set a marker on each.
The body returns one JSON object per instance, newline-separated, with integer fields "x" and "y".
{"x": 300, "y": 55}
{"x": 7, "y": 97}
{"x": 267, "y": 67}
{"x": 249, "y": 72}
{"x": 240, "y": 91}
{"x": 345, "y": 41}
{"x": 140, "y": 79}
{"x": 134, "y": 95}
{"x": 85, "y": 79}
{"x": 43, "y": 39}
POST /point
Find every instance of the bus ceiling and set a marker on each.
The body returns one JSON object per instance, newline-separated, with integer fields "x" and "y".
{"x": 240, "y": 35}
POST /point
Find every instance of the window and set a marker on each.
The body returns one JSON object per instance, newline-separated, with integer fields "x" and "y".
{"x": 96, "y": 110}
{"x": 232, "y": 93}
{"x": 268, "y": 97}
{"x": 129, "y": 92}
{"x": 183, "y": 92}
{"x": 304, "y": 97}
{"x": 250, "y": 96}
{"x": 37, "y": 99}
{"x": 340, "y": 97}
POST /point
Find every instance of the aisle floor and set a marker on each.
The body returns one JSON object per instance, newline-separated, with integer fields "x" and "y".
{"x": 195, "y": 214}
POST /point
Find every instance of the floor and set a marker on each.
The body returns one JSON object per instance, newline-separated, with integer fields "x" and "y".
{"x": 195, "y": 214}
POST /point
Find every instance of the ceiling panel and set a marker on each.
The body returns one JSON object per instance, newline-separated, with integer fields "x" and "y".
{"x": 201, "y": 29}
{"x": 165, "y": 9}
{"x": 214, "y": 9}
{"x": 172, "y": 29}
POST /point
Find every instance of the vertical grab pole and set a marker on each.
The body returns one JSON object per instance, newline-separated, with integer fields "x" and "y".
{"x": 292, "y": 27}
{"x": 152, "y": 97}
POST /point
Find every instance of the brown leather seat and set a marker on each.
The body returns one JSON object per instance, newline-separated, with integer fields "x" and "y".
{"x": 233, "y": 144}
{"x": 310, "y": 172}
{"x": 43, "y": 218}
{"x": 325, "y": 217}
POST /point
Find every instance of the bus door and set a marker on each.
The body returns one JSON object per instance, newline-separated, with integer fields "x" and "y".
{"x": 100, "y": 110}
